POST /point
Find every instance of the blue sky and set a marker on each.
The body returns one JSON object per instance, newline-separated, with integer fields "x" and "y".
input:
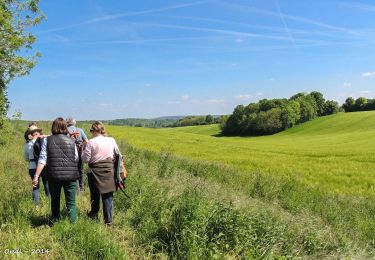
{"x": 118, "y": 59}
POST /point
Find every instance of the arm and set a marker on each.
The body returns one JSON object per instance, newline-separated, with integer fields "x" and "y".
{"x": 76, "y": 156}
{"x": 83, "y": 135}
{"x": 115, "y": 146}
{"x": 86, "y": 154}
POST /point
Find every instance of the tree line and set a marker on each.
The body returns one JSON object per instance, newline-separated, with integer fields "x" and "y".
{"x": 359, "y": 104}
{"x": 269, "y": 116}
{"x": 175, "y": 121}
{"x": 140, "y": 122}
{"x": 197, "y": 120}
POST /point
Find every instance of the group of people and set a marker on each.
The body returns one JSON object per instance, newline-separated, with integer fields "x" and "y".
{"x": 58, "y": 160}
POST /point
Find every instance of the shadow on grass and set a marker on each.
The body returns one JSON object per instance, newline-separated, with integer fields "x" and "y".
{"x": 38, "y": 221}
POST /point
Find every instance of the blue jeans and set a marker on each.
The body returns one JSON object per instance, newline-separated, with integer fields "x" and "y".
{"x": 107, "y": 199}
{"x": 37, "y": 188}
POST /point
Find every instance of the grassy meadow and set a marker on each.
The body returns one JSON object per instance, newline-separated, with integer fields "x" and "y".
{"x": 334, "y": 153}
{"x": 304, "y": 193}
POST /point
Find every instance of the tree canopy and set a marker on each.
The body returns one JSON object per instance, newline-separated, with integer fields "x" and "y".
{"x": 17, "y": 58}
{"x": 359, "y": 104}
{"x": 270, "y": 116}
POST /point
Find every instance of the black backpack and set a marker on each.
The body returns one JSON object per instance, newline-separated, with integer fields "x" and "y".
{"x": 37, "y": 148}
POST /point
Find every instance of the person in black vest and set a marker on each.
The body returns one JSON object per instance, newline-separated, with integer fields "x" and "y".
{"x": 59, "y": 154}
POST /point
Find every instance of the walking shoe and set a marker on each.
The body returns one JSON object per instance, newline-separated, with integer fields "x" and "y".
{"x": 93, "y": 216}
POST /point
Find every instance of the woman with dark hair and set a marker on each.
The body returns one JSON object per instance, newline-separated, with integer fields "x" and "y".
{"x": 34, "y": 134}
{"x": 60, "y": 156}
{"x": 99, "y": 153}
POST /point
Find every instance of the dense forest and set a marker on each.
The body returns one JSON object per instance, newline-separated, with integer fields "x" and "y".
{"x": 269, "y": 116}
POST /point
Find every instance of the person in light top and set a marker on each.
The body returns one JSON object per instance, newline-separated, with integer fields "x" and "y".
{"x": 100, "y": 153}
{"x": 33, "y": 134}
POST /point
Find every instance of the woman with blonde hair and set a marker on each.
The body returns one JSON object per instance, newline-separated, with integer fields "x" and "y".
{"x": 100, "y": 153}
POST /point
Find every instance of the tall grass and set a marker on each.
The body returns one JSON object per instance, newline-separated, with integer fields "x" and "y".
{"x": 179, "y": 209}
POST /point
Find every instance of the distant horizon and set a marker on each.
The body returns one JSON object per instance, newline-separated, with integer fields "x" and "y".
{"x": 157, "y": 117}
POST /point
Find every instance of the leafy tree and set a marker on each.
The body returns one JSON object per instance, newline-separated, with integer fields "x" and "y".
{"x": 331, "y": 107}
{"x": 16, "y": 18}
{"x": 290, "y": 114}
{"x": 270, "y": 116}
{"x": 308, "y": 108}
{"x": 297, "y": 96}
{"x": 268, "y": 104}
{"x": 349, "y": 104}
{"x": 209, "y": 119}
{"x": 234, "y": 122}
{"x": 320, "y": 102}
{"x": 269, "y": 122}
{"x": 360, "y": 103}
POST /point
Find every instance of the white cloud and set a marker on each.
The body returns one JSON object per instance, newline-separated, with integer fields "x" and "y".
{"x": 248, "y": 96}
{"x": 271, "y": 79}
{"x": 244, "y": 96}
{"x": 147, "y": 85}
{"x": 238, "y": 40}
{"x": 364, "y": 92}
{"x": 185, "y": 97}
{"x": 347, "y": 84}
{"x": 368, "y": 74}
{"x": 214, "y": 101}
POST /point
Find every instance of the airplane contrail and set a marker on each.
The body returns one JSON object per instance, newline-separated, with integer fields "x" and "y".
{"x": 285, "y": 24}
{"x": 124, "y": 14}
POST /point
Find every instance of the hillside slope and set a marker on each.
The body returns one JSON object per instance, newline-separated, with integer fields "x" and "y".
{"x": 190, "y": 208}
{"x": 333, "y": 153}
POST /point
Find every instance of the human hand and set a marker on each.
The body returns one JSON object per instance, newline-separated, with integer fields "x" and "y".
{"x": 35, "y": 181}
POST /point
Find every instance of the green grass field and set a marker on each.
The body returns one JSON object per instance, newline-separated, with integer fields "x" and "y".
{"x": 333, "y": 153}
{"x": 304, "y": 193}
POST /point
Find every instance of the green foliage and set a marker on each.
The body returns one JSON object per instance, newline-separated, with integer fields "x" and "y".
{"x": 320, "y": 103}
{"x": 275, "y": 115}
{"x": 17, "y": 17}
{"x": 309, "y": 109}
{"x": 359, "y": 104}
{"x": 290, "y": 114}
{"x": 330, "y": 107}
{"x": 197, "y": 120}
{"x": 176, "y": 121}
{"x": 269, "y": 122}
{"x": 139, "y": 122}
